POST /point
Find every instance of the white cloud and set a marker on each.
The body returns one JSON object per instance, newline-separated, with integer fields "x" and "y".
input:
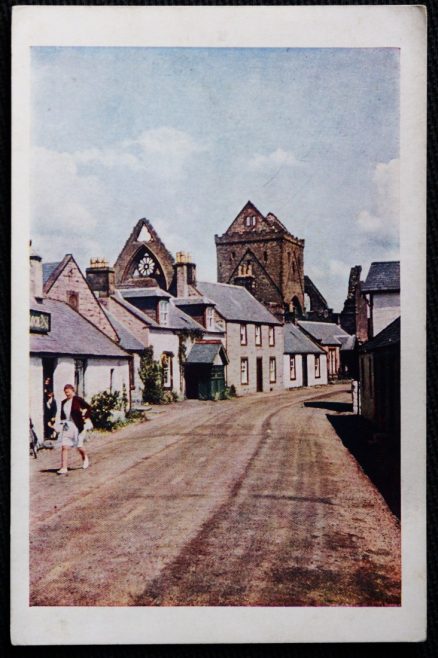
{"x": 67, "y": 207}
{"x": 276, "y": 159}
{"x": 161, "y": 152}
{"x": 382, "y": 219}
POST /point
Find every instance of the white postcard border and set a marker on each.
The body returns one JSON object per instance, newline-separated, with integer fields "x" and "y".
{"x": 402, "y": 27}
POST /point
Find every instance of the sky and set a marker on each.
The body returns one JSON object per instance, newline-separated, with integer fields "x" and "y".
{"x": 186, "y": 136}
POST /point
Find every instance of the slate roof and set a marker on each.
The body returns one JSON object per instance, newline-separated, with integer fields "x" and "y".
{"x": 383, "y": 276}
{"x": 144, "y": 292}
{"x": 180, "y": 320}
{"x": 390, "y": 335}
{"x": 327, "y": 333}
{"x": 127, "y": 340}
{"x": 177, "y": 318}
{"x": 295, "y": 342}
{"x": 71, "y": 334}
{"x": 206, "y": 353}
{"x": 48, "y": 268}
{"x": 235, "y": 303}
{"x": 193, "y": 301}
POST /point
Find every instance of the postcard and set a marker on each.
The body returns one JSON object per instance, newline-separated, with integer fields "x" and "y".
{"x": 218, "y": 235}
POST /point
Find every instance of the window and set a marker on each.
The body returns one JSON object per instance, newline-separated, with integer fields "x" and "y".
{"x": 317, "y": 366}
{"x": 292, "y": 369}
{"x": 73, "y": 299}
{"x": 251, "y": 220}
{"x": 243, "y": 335}
{"x": 166, "y": 369}
{"x": 209, "y": 318}
{"x": 271, "y": 336}
{"x": 258, "y": 334}
{"x": 244, "y": 371}
{"x": 163, "y": 313}
{"x": 272, "y": 370}
{"x": 265, "y": 256}
{"x": 111, "y": 380}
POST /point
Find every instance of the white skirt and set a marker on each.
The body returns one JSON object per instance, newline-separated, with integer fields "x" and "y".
{"x": 69, "y": 436}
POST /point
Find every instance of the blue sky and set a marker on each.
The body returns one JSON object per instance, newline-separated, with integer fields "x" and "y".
{"x": 185, "y": 137}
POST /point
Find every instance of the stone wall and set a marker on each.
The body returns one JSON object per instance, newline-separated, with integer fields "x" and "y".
{"x": 144, "y": 240}
{"x": 277, "y": 265}
{"x": 72, "y": 288}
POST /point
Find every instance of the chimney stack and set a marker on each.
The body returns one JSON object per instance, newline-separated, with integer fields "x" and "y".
{"x": 101, "y": 277}
{"x": 185, "y": 273}
{"x": 36, "y": 274}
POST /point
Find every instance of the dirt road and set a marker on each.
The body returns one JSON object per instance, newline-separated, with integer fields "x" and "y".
{"x": 252, "y": 501}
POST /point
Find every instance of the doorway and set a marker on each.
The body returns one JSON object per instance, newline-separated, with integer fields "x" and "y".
{"x": 49, "y": 365}
{"x": 259, "y": 374}
{"x": 305, "y": 380}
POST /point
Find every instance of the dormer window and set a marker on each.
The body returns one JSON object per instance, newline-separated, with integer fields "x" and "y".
{"x": 163, "y": 313}
{"x": 209, "y": 318}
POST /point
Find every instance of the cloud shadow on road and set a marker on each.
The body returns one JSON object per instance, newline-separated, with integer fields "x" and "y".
{"x": 378, "y": 457}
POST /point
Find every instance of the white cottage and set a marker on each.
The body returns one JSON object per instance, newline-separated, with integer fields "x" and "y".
{"x": 68, "y": 349}
{"x": 304, "y": 362}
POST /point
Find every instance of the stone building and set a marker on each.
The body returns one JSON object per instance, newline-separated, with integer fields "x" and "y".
{"x": 154, "y": 297}
{"x": 259, "y": 253}
{"x": 339, "y": 346}
{"x": 144, "y": 261}
{"x": 353, "y": 317}
{"x": 304, "y": 362}
{"x": 253, "y": 338}
{"x": 382, "y": 292}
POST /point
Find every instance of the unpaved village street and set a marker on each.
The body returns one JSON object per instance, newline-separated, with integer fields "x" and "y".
{"x": 253, "y": 501}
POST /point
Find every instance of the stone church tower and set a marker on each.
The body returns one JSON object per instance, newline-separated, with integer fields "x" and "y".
{"x": 259, "y": 253}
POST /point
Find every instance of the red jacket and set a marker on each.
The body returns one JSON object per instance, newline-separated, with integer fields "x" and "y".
{"x": 78, "y": 405}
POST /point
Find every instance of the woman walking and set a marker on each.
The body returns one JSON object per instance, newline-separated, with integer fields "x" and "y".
{"x": 74, "y": 412}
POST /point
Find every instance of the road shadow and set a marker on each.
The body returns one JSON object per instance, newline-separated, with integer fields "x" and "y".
{"x": 378, "y": 455}
{"x": 330, "y": 406}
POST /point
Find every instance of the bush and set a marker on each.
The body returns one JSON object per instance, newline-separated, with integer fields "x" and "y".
{"x": 169, "y": 397}
{"x": 103, "y": 404}
{"x": 150, "y": 375}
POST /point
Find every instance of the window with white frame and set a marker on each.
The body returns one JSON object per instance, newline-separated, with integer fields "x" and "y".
{"x": 292, "y": 367}
{"x": 271, "y": 336}
{"x": 209, "y": 318}
{"x": 243, "y": 335}
{"x": 317, "y": 366}
{"x": 163, "y": 313}
{"x": 272, "y": 370}
{"x": 244, "y": 371}
{"x": 258, "y": 334}
{"x": 166, "y": 369}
